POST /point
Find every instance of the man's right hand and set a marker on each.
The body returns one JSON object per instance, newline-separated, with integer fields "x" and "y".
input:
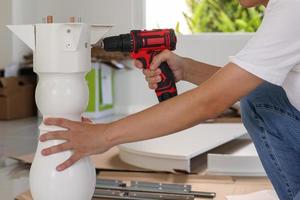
{"x": 152, "y": 75}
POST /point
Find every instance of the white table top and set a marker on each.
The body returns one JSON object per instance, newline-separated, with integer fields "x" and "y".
{"x": 188, "y": 143}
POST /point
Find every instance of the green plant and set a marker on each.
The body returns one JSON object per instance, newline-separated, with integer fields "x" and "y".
{"x": 222, "y": 16}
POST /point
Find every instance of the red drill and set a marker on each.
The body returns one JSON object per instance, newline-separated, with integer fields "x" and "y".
{"x": 143, "y": 46}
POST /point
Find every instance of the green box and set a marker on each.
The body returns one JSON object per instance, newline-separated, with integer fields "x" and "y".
{"x": 100, "y": 82}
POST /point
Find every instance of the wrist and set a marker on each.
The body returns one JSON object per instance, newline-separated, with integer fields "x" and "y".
{"x": 109, "y": 135}
{"x": 185, "y": 69}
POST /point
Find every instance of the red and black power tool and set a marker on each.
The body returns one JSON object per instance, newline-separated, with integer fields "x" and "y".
{"x": 143, "y": 46}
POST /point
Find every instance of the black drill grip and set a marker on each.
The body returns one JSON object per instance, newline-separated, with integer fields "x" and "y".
{"x": 166, "y": 88}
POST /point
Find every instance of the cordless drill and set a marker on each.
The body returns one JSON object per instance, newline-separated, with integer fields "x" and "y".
{"x": 143, "y": 46}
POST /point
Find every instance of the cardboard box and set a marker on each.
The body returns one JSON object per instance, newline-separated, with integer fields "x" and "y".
{"x": 17, "y": 97}
{"x": 101, "y": 91}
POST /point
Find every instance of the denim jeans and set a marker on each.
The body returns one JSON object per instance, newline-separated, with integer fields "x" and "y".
{"x": 274, "y": 126}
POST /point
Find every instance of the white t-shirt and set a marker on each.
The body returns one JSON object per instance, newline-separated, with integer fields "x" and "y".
{"x": 273, "y": 53}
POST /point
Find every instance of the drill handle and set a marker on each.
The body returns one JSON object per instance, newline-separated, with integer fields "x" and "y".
{"x": 166, "y": 88}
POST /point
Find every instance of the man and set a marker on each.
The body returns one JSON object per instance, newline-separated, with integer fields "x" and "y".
{"x": 254, "y": 76}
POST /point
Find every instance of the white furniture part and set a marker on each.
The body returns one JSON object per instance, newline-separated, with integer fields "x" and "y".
{"x": 175, "y": 152}
{"x": 62, "y": 57}
{"x": 243, "y": 162}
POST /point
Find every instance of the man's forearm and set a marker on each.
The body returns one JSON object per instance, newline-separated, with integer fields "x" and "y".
{"x": 197, "y": 72}
{"x": 186, "y": 110}
{"x": 176, "y": 114}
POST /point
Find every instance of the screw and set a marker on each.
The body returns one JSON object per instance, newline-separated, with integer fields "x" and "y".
{"x": 49, "y": 19}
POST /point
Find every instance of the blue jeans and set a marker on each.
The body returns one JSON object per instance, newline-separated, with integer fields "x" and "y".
{"x": 274, "y": 126}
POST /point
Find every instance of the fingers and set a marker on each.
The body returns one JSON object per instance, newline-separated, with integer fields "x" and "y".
{"x": 86, "y": 120}
{"x": 151, "y": 73}
{"x": 152, "y": 77}
{"x": 158, "y": 59}
{"x": 153, "y": 86}
{"x": 153, "y": 80}
{"x": 164, "y": 56}
{"x": 56, "y": 149}
{"x": 59, "y": 122}
{"x": 73, "y": 159}
{"x": 138, "y": 64}
{"x": 55, "y": 135}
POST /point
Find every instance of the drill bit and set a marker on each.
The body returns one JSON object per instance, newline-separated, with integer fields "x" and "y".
{"x": 99, "y": 44}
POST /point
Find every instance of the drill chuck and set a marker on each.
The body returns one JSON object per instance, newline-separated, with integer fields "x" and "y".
{"x": 121, "y": 43}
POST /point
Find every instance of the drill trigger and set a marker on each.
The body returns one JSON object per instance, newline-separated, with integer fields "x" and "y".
{"x": 143, "y": 61}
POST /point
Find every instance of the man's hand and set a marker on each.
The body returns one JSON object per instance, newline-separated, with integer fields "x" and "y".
{"x": 152, "y": 75}
{"x": 83, "y": 138}
{"x": 183, "y": 69}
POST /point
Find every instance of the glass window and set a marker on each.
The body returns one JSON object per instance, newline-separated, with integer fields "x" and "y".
{"x": 166, "y": 14}
{"x": 196, "y": 16}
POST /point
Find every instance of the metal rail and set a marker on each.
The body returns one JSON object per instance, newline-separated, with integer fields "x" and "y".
{"x": 114, "y": 189}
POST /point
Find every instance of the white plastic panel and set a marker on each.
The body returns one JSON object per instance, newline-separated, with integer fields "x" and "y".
{"x": 244, "y": 162}
{"x": 175, "y": 151}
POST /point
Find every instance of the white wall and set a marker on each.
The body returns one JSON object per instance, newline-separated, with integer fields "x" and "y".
{"x": 213, "y": 48}
{"x": 5, "y": 36}
{"x": 124, "y": 14}
{"x": 23, "y": 12}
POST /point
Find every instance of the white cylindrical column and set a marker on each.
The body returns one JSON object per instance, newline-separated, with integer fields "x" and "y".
{"x": 62, "y": 57}
{"x": 61, "y": 95}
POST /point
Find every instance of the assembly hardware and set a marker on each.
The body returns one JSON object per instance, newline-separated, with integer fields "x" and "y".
{"x": 114, "y": 189}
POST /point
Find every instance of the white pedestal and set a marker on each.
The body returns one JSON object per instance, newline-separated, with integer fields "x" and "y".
{"x": 62, "y": 57}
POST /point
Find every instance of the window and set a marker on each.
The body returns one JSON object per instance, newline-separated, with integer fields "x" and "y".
{"x": 195, "y": 16}
{"x": 166, "y": 14}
